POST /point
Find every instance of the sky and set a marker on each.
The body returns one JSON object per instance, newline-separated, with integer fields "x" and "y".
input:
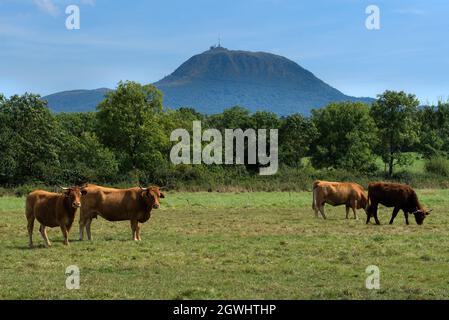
{"x": 146, "y": 40}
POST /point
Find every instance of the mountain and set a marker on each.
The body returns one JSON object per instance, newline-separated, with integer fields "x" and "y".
{"x": 220, "y": 78}
{"x": 76, "y": 100}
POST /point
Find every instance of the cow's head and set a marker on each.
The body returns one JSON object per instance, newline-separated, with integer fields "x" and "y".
{"x": 73, "y": 194}
{"x": 420, "y": 215}
{"x": 362, "y": 203}
{"x": 151, "y": 196}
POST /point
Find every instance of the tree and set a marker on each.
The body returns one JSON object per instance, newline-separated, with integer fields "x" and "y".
{"x": 346, "y": 136}
{"x": 232, "y": 118}
{"x": 77, "y": 123}
{"x": 434, "y": 130}
{"x": 85, "y": 159}
{"x": 127, "y": 123}
{"x": 295, "y": 135}
{"x": 265, "y": 120}
{"x": 395, "y": 114}
{"x": 29, "y": 140}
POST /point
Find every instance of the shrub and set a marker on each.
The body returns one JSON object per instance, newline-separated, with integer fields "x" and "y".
{"x": 438, "y": 166}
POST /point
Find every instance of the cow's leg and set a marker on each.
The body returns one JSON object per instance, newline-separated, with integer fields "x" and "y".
{"x": 354, "y": 211}
{"x": 393, "y": 216}
{"x": 139, "y": 228}
{"x": 316, "y": 212}
{"x": 347, "y": 212}
{"x": 88, "y": 223}
{"x": 376, "y": 218}
{"x": 82, "y": 226}
{"x": 30, "y": 228}
{"x": 406, "y": 217}
{"x": 134, "y": 224}
{"x": 372, "y": 212}
{"x": 321, "y": 207}
{"x": 43, "y": 232}
{"x": 368, "y": 214}
{"x": 65, "y": 234}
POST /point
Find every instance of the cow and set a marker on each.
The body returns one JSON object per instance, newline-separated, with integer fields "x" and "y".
{"x": 134, "y": 204}
{"x": 52, "y": 210}
{"x": 399, "y": 196}
{"x": 338, "y": 193}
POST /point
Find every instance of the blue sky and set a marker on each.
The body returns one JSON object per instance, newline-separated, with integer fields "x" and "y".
{"x": 146, "y": 40}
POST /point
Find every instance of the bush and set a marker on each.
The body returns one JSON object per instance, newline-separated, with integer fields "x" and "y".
{"x": 438, "y": 166}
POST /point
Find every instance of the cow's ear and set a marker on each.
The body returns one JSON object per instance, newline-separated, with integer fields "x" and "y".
{"x": 83, "y": 192}
{"x": 162, "y": 196}
{"x": 143, "y": 193}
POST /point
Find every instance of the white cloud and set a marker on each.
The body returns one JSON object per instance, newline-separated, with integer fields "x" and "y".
{"x": 47, "y": 6}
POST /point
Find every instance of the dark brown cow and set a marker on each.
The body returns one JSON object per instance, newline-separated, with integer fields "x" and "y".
{"x": 133, "y": 204}
{"x": 352, "y": 195}
{"x": 53, "y": 210}
{"x": 400, "y": 196}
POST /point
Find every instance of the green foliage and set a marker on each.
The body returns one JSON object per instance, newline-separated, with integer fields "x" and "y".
{"x": 295, "y": 135}
{"x": 346, "y": 137}
{"x": 395, "y": 114}
{"x": 77, "y": 123}
{"x": 434, "y": 130}
{"x": 87, "y": 160}
{"x": 29, "y": 140}
{"x": 128, "y": 124}
{"x": 127, "y": 143}
{"x": 235, "y": 117}
{"x": 438, "y": 166}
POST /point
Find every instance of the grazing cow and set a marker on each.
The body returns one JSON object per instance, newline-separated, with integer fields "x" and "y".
{"x": 400, "y": 196}
{"x": 133, "y": 204}
{"x": 53, "y": 210}
{"x": 338, "y": 193}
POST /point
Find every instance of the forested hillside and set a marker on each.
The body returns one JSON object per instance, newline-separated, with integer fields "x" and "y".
{"x": 127, "y": 142}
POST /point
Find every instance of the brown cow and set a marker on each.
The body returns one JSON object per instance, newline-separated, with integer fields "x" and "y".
{"x": 133, "y": 204}
{"x": 400, "y": 196}
{"x": 52, "y": 210}
{"x": 338, "y": 193}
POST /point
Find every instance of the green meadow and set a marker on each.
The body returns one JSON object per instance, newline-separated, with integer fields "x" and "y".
{"x": 258, "y": 245}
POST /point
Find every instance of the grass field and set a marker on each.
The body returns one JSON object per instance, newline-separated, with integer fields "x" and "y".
{"x": 233, "y": 246}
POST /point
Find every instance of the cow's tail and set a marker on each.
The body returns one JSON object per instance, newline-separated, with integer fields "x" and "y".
{"x": 28, "y": 208}
{"x": 315, "y": 184}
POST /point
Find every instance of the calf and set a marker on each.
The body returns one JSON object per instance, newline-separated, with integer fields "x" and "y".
{"x": 338, "y": 193}
{"x": 133, "y": 204}
{"x": 400, "y": 196}
{"x": 52, "y": 210}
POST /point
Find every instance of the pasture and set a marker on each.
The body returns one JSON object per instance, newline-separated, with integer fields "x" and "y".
{"x": 233, "y": 246}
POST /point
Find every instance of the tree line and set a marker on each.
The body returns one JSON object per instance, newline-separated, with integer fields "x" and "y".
{"x": 127, "y": 138}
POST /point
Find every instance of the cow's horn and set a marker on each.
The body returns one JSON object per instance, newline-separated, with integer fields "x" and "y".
{"x": 143, "y": 189}
{"x": 64, "y": 188}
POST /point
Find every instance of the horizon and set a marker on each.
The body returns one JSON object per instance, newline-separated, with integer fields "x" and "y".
{"x": 148, "y": 41}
